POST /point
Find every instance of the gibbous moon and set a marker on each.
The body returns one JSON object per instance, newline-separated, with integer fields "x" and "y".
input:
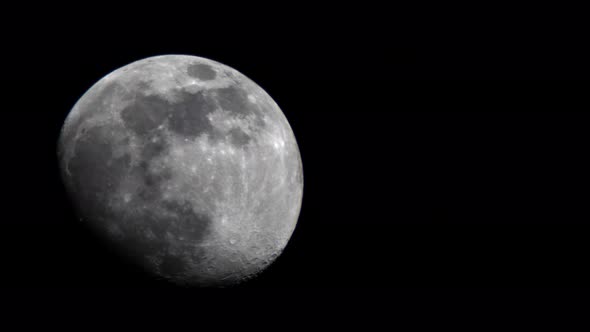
{"x": 187, "y": 167}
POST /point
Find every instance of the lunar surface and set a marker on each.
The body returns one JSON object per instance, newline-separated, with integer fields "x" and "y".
{"x": 186, "y": 166}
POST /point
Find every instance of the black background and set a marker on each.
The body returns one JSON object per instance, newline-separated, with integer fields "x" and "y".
{"x": 435, "y": 155}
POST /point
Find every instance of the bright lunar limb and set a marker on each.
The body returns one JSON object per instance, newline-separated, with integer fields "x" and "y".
{"x": 186, "y": 166}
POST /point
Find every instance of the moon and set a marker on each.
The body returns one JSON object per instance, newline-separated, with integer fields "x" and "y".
{"x": 185, "y": 166}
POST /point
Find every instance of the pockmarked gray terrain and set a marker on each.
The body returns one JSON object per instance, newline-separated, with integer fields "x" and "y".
{"x": 186, "y": 166}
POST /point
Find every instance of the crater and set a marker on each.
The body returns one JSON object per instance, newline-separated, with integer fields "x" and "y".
{"x": 201, "y": 71}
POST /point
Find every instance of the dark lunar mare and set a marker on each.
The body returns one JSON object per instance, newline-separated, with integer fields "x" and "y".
{"x": 143, "y": 231}
{"x": 145, "y": 114}
{"x": 93, "y": 181}
{"x": 175, "y": 218}
{"x": 201, "y": 71}
{"x": 189, "y": 116}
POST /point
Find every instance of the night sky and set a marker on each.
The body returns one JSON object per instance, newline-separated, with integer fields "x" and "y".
{"x": 432, "y": 158}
